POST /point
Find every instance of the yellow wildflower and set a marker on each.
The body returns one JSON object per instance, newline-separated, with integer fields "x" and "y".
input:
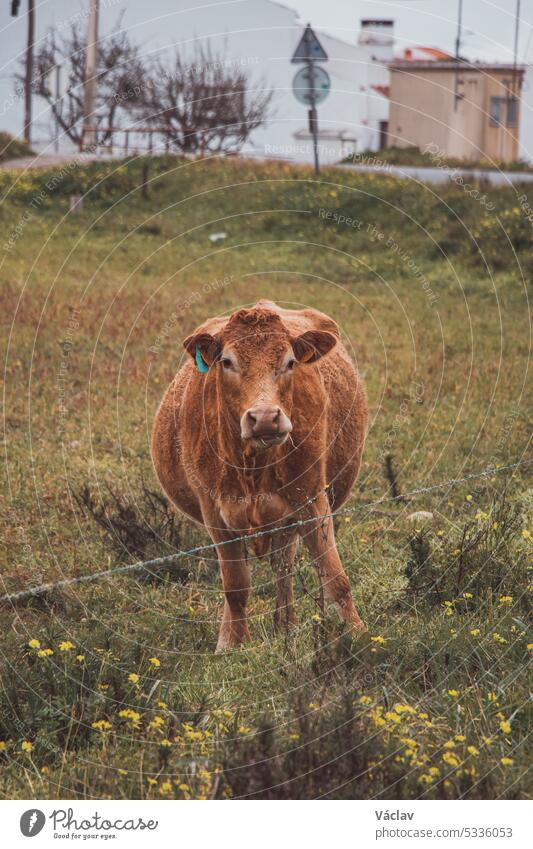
{"x": 505, "y": 726}
{"x": 26, "y": 746}
{"x": 365, "y": 700}
{"x": 475, "y": 632}
{"x": 392, "y": 717}
{"x": 102, "y": 725}
{"x": 378, "y": 639}
{"x": 66, "y": 645}
{"x": 402, "y": 708}
{"x": 133, "y": 677}
{"x": 472, "y": 751}
{"x": 44, "y": 653}
{"x": 34, "y": 644}
{"x": 132, "y": 715}
{"x": 154, "y": 661}
{"x": 506, "y": 761}
{"x": 80, "y": 658}
{"x": 3, "y": 745}
{"x": 454, "y": 694}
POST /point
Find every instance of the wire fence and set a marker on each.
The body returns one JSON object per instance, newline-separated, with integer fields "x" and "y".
{"x": 148, "y": 565}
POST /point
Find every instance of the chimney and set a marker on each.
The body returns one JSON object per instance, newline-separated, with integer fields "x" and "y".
{"x": 378, "y": 35}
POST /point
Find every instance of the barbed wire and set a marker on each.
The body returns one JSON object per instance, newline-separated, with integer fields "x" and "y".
{"x": 155, "y": 563}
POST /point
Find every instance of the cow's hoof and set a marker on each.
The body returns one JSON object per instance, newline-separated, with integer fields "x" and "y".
{"x": 229, "y": 643}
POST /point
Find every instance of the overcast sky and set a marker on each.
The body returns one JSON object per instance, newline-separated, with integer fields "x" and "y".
{"x": 488, "y": 24}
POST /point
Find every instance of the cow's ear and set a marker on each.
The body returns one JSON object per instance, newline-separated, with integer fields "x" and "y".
{"x": 203, "y": 348}
{"x": 310, "y": 346}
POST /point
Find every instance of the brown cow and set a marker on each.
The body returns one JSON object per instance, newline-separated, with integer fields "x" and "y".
{"x": 264, "y": 426}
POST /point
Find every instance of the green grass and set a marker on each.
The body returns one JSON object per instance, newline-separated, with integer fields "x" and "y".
{"x": 414, "y": 156}
{"x": 11, "y": 148}
{"x": 436, "y": 309}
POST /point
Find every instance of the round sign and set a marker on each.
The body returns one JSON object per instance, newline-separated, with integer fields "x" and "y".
{"x": 308, "y": 78}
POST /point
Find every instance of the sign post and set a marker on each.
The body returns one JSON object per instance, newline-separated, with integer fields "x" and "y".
{"x": 311, "y": 84}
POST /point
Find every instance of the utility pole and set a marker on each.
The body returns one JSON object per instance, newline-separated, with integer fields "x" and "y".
{"x": 457, "y": 96}
{"x": 57, "y": 95}
{"x": 515, "y": 90}
{"x": 89, "y": 135}
{"x": 28, "y": 79}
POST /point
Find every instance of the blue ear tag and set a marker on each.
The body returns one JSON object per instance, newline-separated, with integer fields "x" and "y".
{"x": 199, "y": 361}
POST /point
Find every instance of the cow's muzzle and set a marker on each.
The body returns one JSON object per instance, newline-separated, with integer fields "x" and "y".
{"x": 265, "y": 426}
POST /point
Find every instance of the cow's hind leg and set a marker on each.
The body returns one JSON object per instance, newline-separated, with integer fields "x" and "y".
{"x": 319, "y": 537}
{"x": 282, "y": 557}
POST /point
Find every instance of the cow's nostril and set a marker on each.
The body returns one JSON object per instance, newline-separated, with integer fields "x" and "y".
{"x": 265, "y": 423}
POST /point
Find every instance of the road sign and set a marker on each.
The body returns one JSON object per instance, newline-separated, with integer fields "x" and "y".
{"x": 311, "y": 85}
{"x": 309, "y": 48}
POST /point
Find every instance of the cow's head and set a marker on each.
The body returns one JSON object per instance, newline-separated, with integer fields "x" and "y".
{"x": 254, "y": 358}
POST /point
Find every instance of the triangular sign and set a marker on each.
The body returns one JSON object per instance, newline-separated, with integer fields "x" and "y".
{"x": 309, "y": 48}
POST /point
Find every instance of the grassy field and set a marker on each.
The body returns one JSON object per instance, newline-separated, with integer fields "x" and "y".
{"x": 111, "y": 690}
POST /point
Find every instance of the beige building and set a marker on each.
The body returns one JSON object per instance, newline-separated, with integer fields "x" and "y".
{"x": 469, "y": 111}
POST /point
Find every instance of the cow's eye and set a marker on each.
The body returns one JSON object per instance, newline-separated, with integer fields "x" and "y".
{"x": 226, "y": 363}
{"x": 290, "y": 365}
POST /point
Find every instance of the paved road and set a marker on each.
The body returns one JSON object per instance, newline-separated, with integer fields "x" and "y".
{"x": 444, "y": 175}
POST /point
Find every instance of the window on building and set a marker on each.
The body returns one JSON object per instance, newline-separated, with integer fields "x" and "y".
{"x": 497, "y": 106}
{"x": 503, "y": 111}
{"x": 512, "y": 111}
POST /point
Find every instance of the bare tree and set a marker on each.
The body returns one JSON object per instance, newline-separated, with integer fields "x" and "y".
{"x": 206, "y": 104}
{"x": 119, "y": 79}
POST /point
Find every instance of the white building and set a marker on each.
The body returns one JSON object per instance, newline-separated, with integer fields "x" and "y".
{"x": 260, "y": 35}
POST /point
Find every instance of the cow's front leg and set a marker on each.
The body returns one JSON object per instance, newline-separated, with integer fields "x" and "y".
{"x": 235, "y": 574}
{"x": 319, "y": 537}
{"x": 282, "y": 557}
